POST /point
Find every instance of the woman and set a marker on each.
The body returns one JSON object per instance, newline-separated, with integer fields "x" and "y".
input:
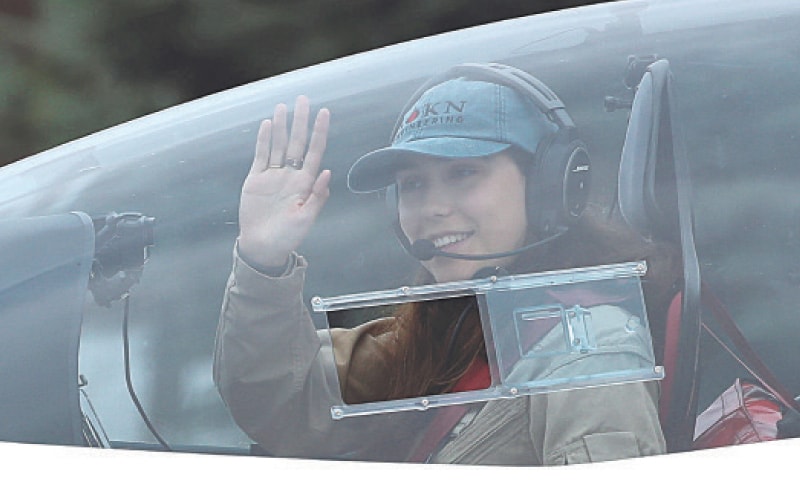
{"x": 459, "y": 167}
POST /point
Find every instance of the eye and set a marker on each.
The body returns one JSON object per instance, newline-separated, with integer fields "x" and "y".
{"x": 465, "y": 170}
{"x": 409, "y": 184}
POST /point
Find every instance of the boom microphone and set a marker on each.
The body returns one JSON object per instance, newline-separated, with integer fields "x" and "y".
{"x": 424, "y": 250}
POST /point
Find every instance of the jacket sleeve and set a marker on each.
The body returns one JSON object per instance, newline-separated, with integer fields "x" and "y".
{"x": 597, "y": 424}
{"x": 600, "y": 423}
{"x": 277, "y": 379}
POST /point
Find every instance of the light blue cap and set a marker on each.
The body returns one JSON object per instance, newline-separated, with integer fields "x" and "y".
{"x": 455, "y": 119}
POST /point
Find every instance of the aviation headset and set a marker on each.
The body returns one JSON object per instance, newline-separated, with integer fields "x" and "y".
{"x": 558, "y": 175}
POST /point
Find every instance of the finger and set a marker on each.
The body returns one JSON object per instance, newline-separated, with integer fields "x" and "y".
{"x": 279, "y": 137}
{"x": 261, "y": 160}
{"x": 319, "y": 140}
{"x": 299, "y": 133}
{"x": 319, "y": 194}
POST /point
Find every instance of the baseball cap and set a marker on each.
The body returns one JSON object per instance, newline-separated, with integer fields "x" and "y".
{"x": 458, "y": 118}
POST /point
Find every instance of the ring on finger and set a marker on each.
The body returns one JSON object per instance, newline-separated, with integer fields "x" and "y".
{"x": 296, "y": 163}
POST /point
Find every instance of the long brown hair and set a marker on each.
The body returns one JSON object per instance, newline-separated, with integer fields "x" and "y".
{"x": 437, "y": 341}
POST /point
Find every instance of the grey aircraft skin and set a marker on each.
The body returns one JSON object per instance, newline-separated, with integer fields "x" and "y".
{"x": 734, "y": 106}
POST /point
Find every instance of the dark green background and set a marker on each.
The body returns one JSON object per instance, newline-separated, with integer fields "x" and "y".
{"x": 69, "y": 68}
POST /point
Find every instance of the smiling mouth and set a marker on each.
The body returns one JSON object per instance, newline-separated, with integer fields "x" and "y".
{"x": 449, "y": 239}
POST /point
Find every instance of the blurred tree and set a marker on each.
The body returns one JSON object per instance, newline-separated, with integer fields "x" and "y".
{"x": 70, "y": 68}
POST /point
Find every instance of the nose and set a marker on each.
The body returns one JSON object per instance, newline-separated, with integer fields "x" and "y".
{"x": 437, "y": 202}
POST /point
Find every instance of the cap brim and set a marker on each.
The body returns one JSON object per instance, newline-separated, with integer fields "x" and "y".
{"x": 376, "y": 170}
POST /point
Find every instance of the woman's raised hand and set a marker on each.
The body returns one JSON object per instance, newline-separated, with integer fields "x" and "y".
{"x": 285, "y": 190}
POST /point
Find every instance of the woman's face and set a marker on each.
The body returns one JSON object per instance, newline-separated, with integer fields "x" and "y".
{"x": 466, "y": 206}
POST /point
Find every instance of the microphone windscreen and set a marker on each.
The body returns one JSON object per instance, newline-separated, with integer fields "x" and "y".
{"x": 423, "y": 250}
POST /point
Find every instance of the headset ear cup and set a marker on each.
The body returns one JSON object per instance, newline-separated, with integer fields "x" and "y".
{"x": 558, "y": 184}
{"x": 577, "y": 182}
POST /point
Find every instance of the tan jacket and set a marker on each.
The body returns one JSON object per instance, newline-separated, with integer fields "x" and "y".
{"x": 279, "y": 384}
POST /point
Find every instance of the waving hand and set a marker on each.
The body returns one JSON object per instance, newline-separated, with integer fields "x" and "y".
{"x": 285, "y": 190}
